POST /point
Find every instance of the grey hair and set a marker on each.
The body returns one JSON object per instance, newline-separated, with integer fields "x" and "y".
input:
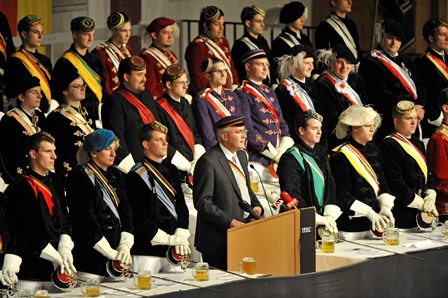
{"x": 146, "y": 38}
{"x": 325, "y": 57}
{"x": 220, "y": 131}
{"x": 288, "y": 63}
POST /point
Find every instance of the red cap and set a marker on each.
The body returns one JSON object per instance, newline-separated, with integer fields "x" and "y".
{"x": 159, "y": 23}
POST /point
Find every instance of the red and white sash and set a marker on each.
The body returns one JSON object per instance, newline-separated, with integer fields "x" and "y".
{"x": 342, "y": 87}
{"x": 216, "y": 103}
{"x": 217, "y": 52}
{"x": 160, "y": 57}
{"x": 299, "y": 95}
{"x": 115, "y": 54}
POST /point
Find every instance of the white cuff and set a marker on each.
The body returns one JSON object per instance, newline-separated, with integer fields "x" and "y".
{"x": 104, "y": 248}
{"x": 181, "y": 163}
{"x": 13, "y": 262}
{"x": 126, "y": 164}
{"x": 127, "y": 238}
{"x": 198, "y": 151}
{"x": 161, "y": 238}
{"x": 270, "y": 151}
{"x": 333, "y": 211}
{"x": 320, "y": 220}
{"x": 66, "y": 241}
{"x": 49, "y": 253}
{"x": 387, "y": 200}
{"x": 417, "y": 203}
{"x": 360, "y": 208}
{"x": 431, "y": 194}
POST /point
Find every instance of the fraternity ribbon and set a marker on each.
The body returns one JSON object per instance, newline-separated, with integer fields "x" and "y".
{"x": 160, "y": 57}
{"x": 143, "y": 110}
{"x": 36, "y": 69}
{"x": 115, "y": 54}
{"x": 179, "y": 121}
{"x": 299, "y": 95}
{"x": 412, "y": 151}
{"x": 237, "y": 170}
{"x": 399, "y": 73}
{"x": 318, "y": 176}
{"x": 92, "y": 79}
{"x": 361, "y": 165}
{"x": 343, "y": 32}
{"x": 440, "y": 65}
{"x": 217, "y": 52}
{"x": 290, "y": 40}
{"x": 73, "y": 115}
{"x": 38, "y": 186}
{"x": 23, "y": 119}
{"x": 3, "y": 46}
{"x": 342, "y": 87}
{"x": 219, "y": 107}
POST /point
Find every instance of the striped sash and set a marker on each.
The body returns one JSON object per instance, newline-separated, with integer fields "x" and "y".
{"x": 342, "y": 87}
{"x": 216, "y": 103}
{"x": 115, "y": 54}
{"x": 160, "y": 57}
{"x": 23, "y": 119}
{"x": 217, "y": 52}
{"x": 290, "y": 40}
{"x": 38, "y": 186}
{"x": 439, "y": 64}
{"x": 298, "y": 94}
{"x": 70, "y": 113}
{"x": 343, "y": 32}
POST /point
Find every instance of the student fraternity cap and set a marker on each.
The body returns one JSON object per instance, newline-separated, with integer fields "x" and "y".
{"x": 306, "y": 50}
{"x": 98, "y": 140}
{"x": 82, "y": 24}
{"x": 27, "y": 83}
{"x": 405, "y": 107}
{"x": 230, "y": 121}
{"x": 116, "y": 20}
{"x": 131, "y": 63}
{"x": 342, "y": 51}
{"x": 159, "y": 127}
{"x": 249, "y": 12}
{"x": 206, "y": 65}
{"x": 254, "y": 54}
{"x": 291, "y": 12}
{"x": 258, "y": 10}
{"x": 29, "y": 20}
{"x": 158, "y": 24}
{"x": 172, "y": 72}
{"x": 61, "y": 82}
{"x": 356, "y": 116}
{"x": 391, "y": 26}
{"x": 211, "y": 13}
{"x": 311, "y": 113}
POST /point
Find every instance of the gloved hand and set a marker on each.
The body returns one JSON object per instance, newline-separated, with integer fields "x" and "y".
{"x": 270, "y": 151}
{"x": 181, "y": 163}
{"x": 11, "y": 266}
{"x": 104, "y": 248}
{"x": 124, "y": 248}
{"x": 183, "y": 249}
{"x": 49, "y": 253}
{"x": 285, "y": 144}
{"x": 429, "y": 206}
{"x": 162, "y": 238}
{"x": 199, "y": 150}
{"x": 386, "y": 212}
{"x": 65, "y": 250}
{"x": 387, "y": 203}
{"x": 328, "y": 221}
{"x": 379, "y": 223}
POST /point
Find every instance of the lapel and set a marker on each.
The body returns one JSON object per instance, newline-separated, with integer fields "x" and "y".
{"x": 225, "y": 164}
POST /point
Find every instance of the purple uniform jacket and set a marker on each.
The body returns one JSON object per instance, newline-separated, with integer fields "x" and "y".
{"x": 261, "y": 125}
{"x": 206, "y": 115}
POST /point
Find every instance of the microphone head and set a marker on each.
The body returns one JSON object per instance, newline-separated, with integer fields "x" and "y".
{"x": 244, "y": 205}
{"x": 285, "y": 197}
{"x": 272, "y": 197}
{"x": 252, "y": 166}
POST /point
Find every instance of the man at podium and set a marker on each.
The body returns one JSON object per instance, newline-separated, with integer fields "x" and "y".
{"x": 221, "y": 181}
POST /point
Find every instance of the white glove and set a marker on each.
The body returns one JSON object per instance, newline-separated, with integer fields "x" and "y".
{"x": 162, "y": 238}
{"x": 425, "y": 205}
{"x": 199, "y": 150}
{"x": 181, "y": 163}
{"x": 49, "y": 253}
{"x": 431, "y": 194}
{"x": 285, "y": 144}
{"x": 65, "y": 250}
{"x": 328, "y": 221}
{"x": 331, "y": 213}
{"x": 104, "y": 248}
{"x": 378, "y": 222}
{"x": 183, "y": 249}
{"x": 11, "y": 266}
{"x": 270, "y": 151}
{"x": 387, "y": 203}
{"x": 124, "y": 248}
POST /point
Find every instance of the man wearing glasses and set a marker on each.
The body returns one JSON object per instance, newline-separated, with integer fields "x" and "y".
{"x": 70, "y": 123}
{"x": 185, "y": 143}
{"x": 214, "y": 102}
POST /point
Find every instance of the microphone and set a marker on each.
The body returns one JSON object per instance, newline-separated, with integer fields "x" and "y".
{"x": 262, "y": 185}
{"x": 290, "y": 202}
{"x": 275, "y": 200}
{"x": 247, "y": 208}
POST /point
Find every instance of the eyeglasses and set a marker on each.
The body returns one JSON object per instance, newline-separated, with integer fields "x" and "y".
{"x": 182, "y": 83}
{"x": 79, "y": 86}
{"x": 220, "y": 71}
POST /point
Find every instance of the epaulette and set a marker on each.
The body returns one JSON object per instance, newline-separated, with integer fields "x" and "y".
{"x": 138, "y": 168}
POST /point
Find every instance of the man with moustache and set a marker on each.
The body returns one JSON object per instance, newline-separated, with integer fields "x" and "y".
{"x": 405, "y": 168}
{"x": 390, "y": 76}
{"x": 70, "y": 122}
{"x": 185, "y": 143}
{"x": 130, "y": 107}
{"x": 253, "y": 21}
{"x": 88, "y": 65}
{"x": 102, "y": 217}
{"x": 159, "y": 212}
{"x": 433, "y": 69}
{"x": 338, "y": 87}
{"x": 27, "y": 61}
{"x": 17, "y": 125}
{"x": 158, "y": 56}
{"x": 40, "y": 218}
{"x": 337, "y": 28}
{"x": 267, "y": 132}
{"x": 293, "y": 15}
{"x": 210, "y": 43}
{"x": 357, "y": 167}
{"x": 221, "y": 180}
{"x": 214, "y": 102}
{"x": 115, "y": 49}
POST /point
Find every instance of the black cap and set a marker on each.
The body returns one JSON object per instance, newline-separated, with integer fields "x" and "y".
{"x": 291, "y": 12}
{"x": 307, "y": 50}
{"x": 230, "y": 121}
{"x": 391, "y": 26}
{"x": 61, "y": 82}
{"x": 82, "y": 24}
{"x": 26, "y": 83}
{"x": 342, "y": 51}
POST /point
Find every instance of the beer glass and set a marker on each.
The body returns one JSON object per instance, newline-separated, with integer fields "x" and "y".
{"x": 41, "y": 294}
{"x": 247, "y": 265}
{"x": 201, "y": 271}
{"x": 327, "y": 243}
{"x": 91, "y": 288}
{"x": 143, "y": 280}
{"x": 391, "y": 236}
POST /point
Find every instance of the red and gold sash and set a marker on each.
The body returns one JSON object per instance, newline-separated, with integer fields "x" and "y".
{"x": 440, "y": 65}
{"x": 219, "y": 107}
{"x": 143, "y": 110}
{"x": 179, "y": 121}
{"x": 160, "y": 178}
{"x": 38, "y": 186}
{"x": 234, "y": 167}
{"x": 3, "y": 46}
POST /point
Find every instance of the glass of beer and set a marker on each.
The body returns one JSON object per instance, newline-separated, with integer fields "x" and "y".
{"x": 327, "y": 243}
{"x": 391, "y": 236}
{"x": 248, "y": 265}
{"x": 41, "y": 294}
{"x": 143, "y": 280}
{"x": 445, "y": 229}
{"x": 254, "y": 181}
{"x": 91, "y": 288}
{"x": 201, "y": 271}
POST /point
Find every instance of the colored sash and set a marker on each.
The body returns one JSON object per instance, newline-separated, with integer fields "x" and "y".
{"x": 23, "y": 119}
{"x": 443, "y": 130}
{"x": 36, "y": 69}
{"x": 143, "y": 110}
{"x": 399, "y": 73}
{"x": 109, "y": 195}
{"x": 3, "y": 46}
{"x": 179, "y": 121}
{"x": 92, "y": 79}
{"x": 73, "y": 115}
{"x": 115, "y": 54}
{"x": 237, "y": 170}
{"x": 412, "y": 151}
{"x": 217, "y": 52}
{"x": 290, "y": 40}
{"x": 298, "y": 94}
{"x": 440, "y": 65}
{"x": 361, "y": 165}
{"x": 38, "y": 186}
{"x": 343, "y": 32}
{"x": 219, "y": 107}
{"x": 342, "y": 87}
{"x": 160, "y": 57}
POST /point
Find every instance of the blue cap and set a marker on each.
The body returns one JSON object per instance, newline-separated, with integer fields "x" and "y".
{"x": 98, "y": 140}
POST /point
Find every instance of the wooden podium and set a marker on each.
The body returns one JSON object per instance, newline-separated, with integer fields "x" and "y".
{"x": 278, "y": 243}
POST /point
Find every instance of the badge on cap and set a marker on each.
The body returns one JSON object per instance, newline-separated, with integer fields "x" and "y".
{"x": 137, "y": 63}
{"x": 159, "y": 127}
{"x": 405, "y": 107}
{"x": 173, "y": 72}
{"x": 116, "y": 20}
{"x": 315, "y": 115}
{"x": 211, "y": 13}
